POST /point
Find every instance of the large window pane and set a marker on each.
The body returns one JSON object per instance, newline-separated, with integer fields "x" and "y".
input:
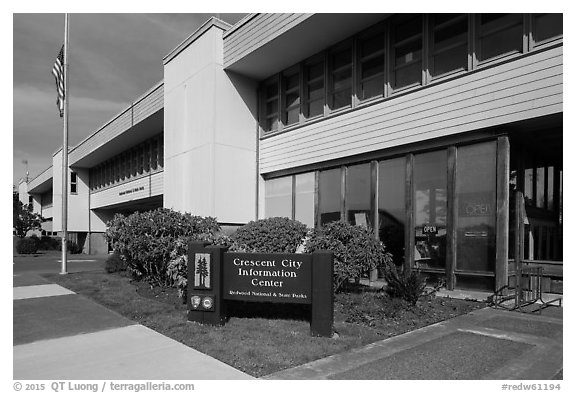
{"x": 330, "y": 183}
{"x": 291, "y": 110}
{"x": 540, "y": 197}
{"x": 269, "y": 115}
{"x": 371, "y": 65}
{"x": 449, "y": 43}
{"x": 392, "y": 206}
{"x": 500, "y": 34}
{"x": 358, "y": 195}
{"x": 341, "y": 78}
{"x": 278, "y": 197}
{"x": 407, "y": 49}
{"x": 314, "y": 98}
{"x": 304, "y": 199}
{"x": 430, "y": 177}
{"x": 547, "y": 26}
{"x": 476, "y": 219}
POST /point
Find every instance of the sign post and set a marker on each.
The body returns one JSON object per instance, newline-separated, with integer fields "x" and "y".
{"x": 216, "y": 276}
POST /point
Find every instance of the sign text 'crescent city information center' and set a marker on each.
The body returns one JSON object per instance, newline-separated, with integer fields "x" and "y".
{"x": 268, "y": 277}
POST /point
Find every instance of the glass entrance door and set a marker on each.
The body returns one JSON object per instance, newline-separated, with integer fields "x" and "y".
{"x": 430, "y": 209}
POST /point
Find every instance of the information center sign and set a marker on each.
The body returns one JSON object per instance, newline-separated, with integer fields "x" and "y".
{"x": 279, "y": 278}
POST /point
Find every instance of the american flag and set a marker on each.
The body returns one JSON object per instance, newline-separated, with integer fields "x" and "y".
{"x": 58, "y": 72}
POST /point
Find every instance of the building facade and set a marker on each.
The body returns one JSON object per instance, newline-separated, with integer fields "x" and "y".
{"x": 442, "y": 132}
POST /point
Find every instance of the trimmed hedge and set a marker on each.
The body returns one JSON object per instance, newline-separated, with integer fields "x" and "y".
{"x": 356, "y": 251}
{"x": 276, "y": 234}
{"x": 146, "y": 240}
{"x": 27, "y": 245}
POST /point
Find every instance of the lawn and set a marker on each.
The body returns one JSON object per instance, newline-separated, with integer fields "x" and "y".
{"x": 260, "y": 338}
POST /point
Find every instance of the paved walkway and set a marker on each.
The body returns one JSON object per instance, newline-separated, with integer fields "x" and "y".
{"x": 485, "y": 344}
{"x": 61, "y": 335}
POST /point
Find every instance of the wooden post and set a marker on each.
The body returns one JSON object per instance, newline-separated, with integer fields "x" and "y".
{"x": 322, "y": 321}
{"x": 451, "y": 220}
{"x": 502, "y": 211}
{"x": 409, "y": 241}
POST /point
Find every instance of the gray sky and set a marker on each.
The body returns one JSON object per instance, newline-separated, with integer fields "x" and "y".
{"x": 114, "y": 58}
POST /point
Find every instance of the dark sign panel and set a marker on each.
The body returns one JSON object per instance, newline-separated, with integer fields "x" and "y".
{"x": 280, "y": 278}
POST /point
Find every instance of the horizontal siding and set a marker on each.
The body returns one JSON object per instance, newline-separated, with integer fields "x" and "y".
{"x": 150, "y": 105}
{"x": 40, "y": 179}
{"x": 528, "y": 87}
{"x": 147, "y": 186}
{"x": 144, "y": 107}
{"x": 257, "y": 32}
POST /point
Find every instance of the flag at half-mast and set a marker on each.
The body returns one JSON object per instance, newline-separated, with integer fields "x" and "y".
{"x": 58, "y": 72}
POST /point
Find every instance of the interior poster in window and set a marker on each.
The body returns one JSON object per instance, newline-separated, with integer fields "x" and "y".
{"x": 202, "y": 271}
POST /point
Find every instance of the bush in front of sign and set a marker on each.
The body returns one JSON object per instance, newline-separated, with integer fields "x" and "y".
{"x": 145, "y": 240}
{"x": 355, "y": 249}
{"x": 275, "y": 234}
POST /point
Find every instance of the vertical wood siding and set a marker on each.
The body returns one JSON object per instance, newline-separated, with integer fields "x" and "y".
{"x": 525, "y": 88}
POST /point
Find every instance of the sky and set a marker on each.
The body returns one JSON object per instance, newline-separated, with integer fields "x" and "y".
{"x": 114, "y": 59}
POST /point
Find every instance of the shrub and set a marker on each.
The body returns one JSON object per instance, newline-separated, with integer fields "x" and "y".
{"x": 407, "y": 286}
{"x": 276, "y": 234}
{"x": 73, "y": 247}
{"x": 26, "y": 245}
{"x": 115, "y": 263}
{"x": 356, "y": 251}
{"x": 49, "y": 243}
{"x": 146, "y": 240}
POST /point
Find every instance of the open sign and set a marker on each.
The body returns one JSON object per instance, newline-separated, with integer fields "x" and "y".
{"x": 430, "y": 229}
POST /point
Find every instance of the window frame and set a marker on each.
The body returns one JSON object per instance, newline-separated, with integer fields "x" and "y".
{"x": 371, "y": 33}
{"x": 330, "y": 90}
{"x": 479, "y": 35}
{"x": 395, "y": 20}
{"x": 73, "y": 183}
{"x": 431, "y": 50}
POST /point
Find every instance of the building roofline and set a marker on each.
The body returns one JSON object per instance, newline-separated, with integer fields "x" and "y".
{"x": 240, "y": 23}
{"x": 213, "y": 21}
{"x": 41, "y": 173}
{"x": 137, "y": 100}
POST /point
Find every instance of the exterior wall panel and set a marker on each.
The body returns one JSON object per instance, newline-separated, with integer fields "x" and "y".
{"x": 141, "y": 188}
{"x": 259, "y": 30}
{"x": 525, "y": 88}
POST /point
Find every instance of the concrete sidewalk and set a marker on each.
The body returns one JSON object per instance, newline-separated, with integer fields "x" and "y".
{"x": 485, "y": 344}
{"x": 61, "y": 335}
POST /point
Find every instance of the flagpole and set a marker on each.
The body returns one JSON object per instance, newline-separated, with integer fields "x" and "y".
{"x": 65, "y": 154}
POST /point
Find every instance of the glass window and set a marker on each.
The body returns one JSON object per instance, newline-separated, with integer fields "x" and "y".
{"x": 134, "y": 162}
{"x": 540, "y": 181}
{"x": 154, "y": 160}
{"x": 314, "y": 77}
{"x": 291, "y": 109}
{"x": 371, "y": 65}
{"x": 140, "y": 150}
{"x": 407, "y": 51}
{"x": 329, "y": 198}
{"x": 270, "y": 106}
{"x": 73, "y": 183}
{"x": 547, "y": 26}
{"x": 476, "y": 217}
{"x": 529, "y": 186}
{"x": 449, "y": 41}
{"x": 550, "y": 197}
{"x": 358, "y": 204}
{"x": 499, "y": 34}
{"x": 392, "y": 206}
{"x": 304, "y": 199}
{"x": 161, "y": 152}
{"x": 278, "y": 197}
{"x": 117, "y": 169}
{"x": 147, "y": 157}
{"x": 430, "y": 203}
{"x": 340, "y": 77}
